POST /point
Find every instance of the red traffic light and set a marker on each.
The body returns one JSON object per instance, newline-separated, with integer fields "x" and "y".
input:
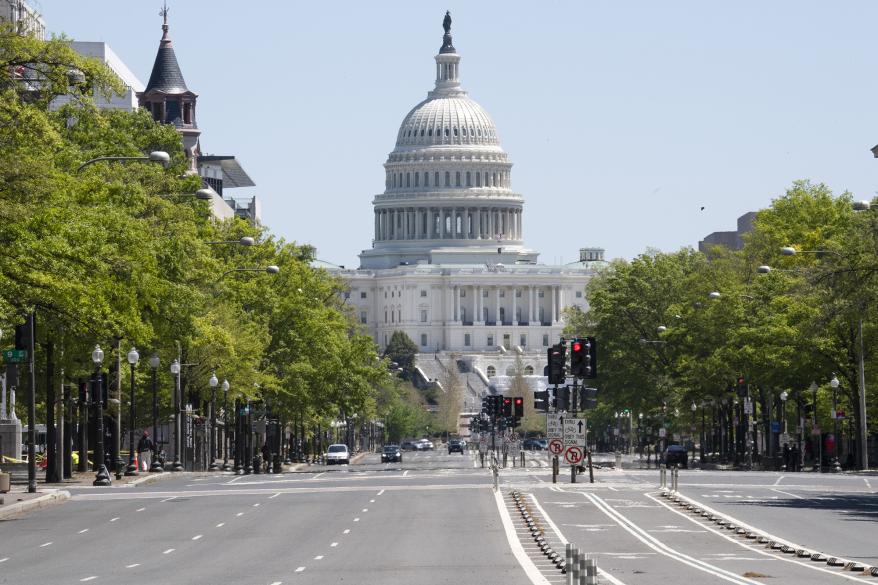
{"x": 577, "y": 346}
{"x": 741, "y": 381}
{"x": 519, "y": 401}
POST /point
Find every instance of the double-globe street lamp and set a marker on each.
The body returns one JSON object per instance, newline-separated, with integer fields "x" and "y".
{"x": 176, "y": 465}
{"x": 834, "y": 464}
{"x": 102, "y": 477}
{"x": 211, "y": 442}
{"x": 226, "y": 466}
{"x": 154, "y": 363}
{"x": 131, "y": 470}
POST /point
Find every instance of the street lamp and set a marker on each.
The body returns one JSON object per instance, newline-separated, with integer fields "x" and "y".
{"x": 157, "y": 156}
{"x": 154, "y": 363}
{"x": 713, "y": 295}
{"x": 102, "y": 477}
{"x": 226, "y": 466}
{"x": 178, "y": 443}
{"x": 131, "y": 470}
{"x": 211, "y": 447}
{"x": 834, "y": 464}
{"x": 245, "y": 241}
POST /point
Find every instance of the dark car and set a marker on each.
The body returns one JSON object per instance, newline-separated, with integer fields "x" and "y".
{"x": 456, "y": 445}
{"x": 391, "y": 453}
{"x": 409, "y": 446}
{"x": 535, "y": 444}
{"x": 677, "y": 455}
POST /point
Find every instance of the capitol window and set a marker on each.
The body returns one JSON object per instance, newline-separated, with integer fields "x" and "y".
{"x": 466, "y": 339}
{"x": 423, "y": 340}
{"x": 523, "y": 340}
{"x": 463, "y": 293}
{"x": 363, "y": 317}
{"x": 492, "y": 371}
{"x": 447, "y": 179}
{"x": 579, "y": 294}
{"x": 457, "y": 179}
{"x": 430, "y": 132}
{"x": 408, "y": 180}
{"x": 455, "y": 131}
{"x": 478, "y": 179}
{"x": 423, "y": 316}
{"x": 528, "y": 370}
{"x": 545, "y": 340}
{"x": 362, "y": 295}
{"x": 426, "y": 179}
{"x": 490, "y": 341}
{"x": 468, "y": 182}
{"x": 423, "y": 293}
{"x": 417, "y": 179}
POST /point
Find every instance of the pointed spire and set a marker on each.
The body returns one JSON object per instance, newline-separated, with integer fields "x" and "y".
{"x": 447, "y": 47}
{"x": 166, "y": 75}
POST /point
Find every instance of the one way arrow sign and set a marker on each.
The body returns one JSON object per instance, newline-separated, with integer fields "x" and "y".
{"x": 574, "y": 432}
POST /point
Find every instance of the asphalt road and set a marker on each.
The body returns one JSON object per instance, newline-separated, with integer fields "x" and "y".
{"x": 434, "y": 518}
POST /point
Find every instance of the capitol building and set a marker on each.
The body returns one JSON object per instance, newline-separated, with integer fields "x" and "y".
{"x": 448, "y": 265}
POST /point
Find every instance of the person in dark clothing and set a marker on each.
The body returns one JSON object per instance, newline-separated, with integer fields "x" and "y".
{"x": 266, "y": 457}
{"x": 795, "y": 458}
{"x": 145, "y": 448}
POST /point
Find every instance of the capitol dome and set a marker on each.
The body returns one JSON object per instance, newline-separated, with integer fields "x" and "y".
{"x": 448, "y": 189}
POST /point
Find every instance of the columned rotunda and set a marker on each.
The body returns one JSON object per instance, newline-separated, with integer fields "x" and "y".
{"x": 448, "y": 265}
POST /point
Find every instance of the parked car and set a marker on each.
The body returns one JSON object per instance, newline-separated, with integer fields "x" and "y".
{"x": 409, "y": 446}
{"x": 535, "y": 444}
{"x": 676, "y": 455}
{"x": 458, "y": 445}
{"x": 424, "y": 445}
{"x": 338, "y": 454}
{"x": 391, "y": 453}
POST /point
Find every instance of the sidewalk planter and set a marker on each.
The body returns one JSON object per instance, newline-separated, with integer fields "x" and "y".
{"x": 4, "y": 483}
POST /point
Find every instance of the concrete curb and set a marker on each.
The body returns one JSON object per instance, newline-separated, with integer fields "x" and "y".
{"x": 37, "y": 503}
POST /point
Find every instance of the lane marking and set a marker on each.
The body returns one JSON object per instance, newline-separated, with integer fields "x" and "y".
{"x": 757, "y": 549}
{"x": 4, "y": 559}
{"x": 197, "y": 536}
{"x": 779, "y": 480}
{"x": 868, "y": 485}
{"x": 788, "y": 494}
{"x": 84, "y": 579}
{"x": 382, "y": 491}
{"x": 318, "y": 557}
{"x": 45, "y": 544}
{"x": 132, "y": 566}
{"x": 365, "y": 509}
{"x": 239, "y": 514}
{"x": 169, "y": 551}
{"x": 405, "y": 473}
{"x": 530, "y": 569}
{"x": 256, "y": 505}
{"x": 318, "y": 475}
{"x": 221, "y": 524}
{"x": 346, "y": 531}
{"x": 333, "y": 545}
{"x": 168, "y": 499}
{"x": 277, "y": 583}
{"x": 274, "y": 496}
{"x": 140, "y": 509}
{"x": 356, "y": 519}
{"x": 661, "y": 548}
{"x": 371, "y": 501}
{"x": 300, "y": 569}
{"x": 84, "y": 530}
{"x": 114, "y": 519}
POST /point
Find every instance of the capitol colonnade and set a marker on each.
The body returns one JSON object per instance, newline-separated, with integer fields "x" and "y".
{"x": 448, "y": 223}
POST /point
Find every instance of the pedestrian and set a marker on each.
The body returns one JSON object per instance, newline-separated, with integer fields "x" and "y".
{"x": 145, "y": 447}
{"x": 786, "y": 456}
{"x": 266, "y": 457}
{"x": 796, "y": 457}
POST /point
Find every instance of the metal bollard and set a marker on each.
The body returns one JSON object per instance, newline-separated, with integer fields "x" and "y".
{"x": 675, "y": 478}
{"x": 582, "y": 571}
{"x": 573, "y": 577}
{"x": 618, "y": 461}
{"x": 663, "y": 477}
{"x": 568, "y": 563}
{"x": 591, "y": 572}
{"x": 522, "y": 459}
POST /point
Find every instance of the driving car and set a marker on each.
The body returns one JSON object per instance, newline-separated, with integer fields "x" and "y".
{"x": 676, "y": 455}
{"x": 409, "y": 446}
{"x": 532, "y": 444}
{"x": 457, "y": 445}
{"x": 391, "y": 453}
{"x": 338, "y": 454}
{"x": 424, "y": 445}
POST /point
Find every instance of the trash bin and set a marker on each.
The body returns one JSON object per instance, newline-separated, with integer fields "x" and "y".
{"x": 4, "y": 482}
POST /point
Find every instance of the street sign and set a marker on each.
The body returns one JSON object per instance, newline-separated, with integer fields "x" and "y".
{"x": 554, "y": 426}
{"x": 748, "y": 406}
{"x": 573, "y": 455}
{"x": 775, "y": 426}
{"x": 662, "y": 432}
{"x": 785, "y": 438}
{"x": 556, "y": 446}
{"x": 14, "y": 356}
{"x": 574, "y": 431}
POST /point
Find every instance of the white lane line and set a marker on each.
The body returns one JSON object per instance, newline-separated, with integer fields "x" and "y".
{"x": 365, "y": 509}
{"x": 169, "y": 551}
{"x": 333, "y": 545}
{"x": 371, "y": 501}
{"x": 45, "y": 544}
{"x": 757, "y": 549}
{"x": 356, "y": 519}
{"x": 530, "y": 569}
{"x": 612, "y": 488}
{"x": 788, "y": 494}
{"x": 318, "y": 557}
{"x": 318, "y": 475}
{"x": 660, "y": 547}
{"x": 83, "y": 531}
{"x": 4, "y": 559}
{"x": 256, "y": 505}
{"x": 132, "y": 566}
{"x": 114, "y": 519}
{"x": 346, "y": 531}
{"x": 221, "y": 524}
{"x": 564, "y": 540}
{"x": 140, "y": 509}
{"x": 197, "y": 536}
{"x": 868, "y": 485}
{"x": 239, "y": 514}
{"x": 779, "y": 480}
{"x": 300, "y": 569}
{"x": 274, "y": 496}
{"x": 405, "y": 473}
{"x": 84, "y": 579}
{"x": 381, "y": 492}
{"x": 277, "y": 583}
{"x": 168, "y": 499}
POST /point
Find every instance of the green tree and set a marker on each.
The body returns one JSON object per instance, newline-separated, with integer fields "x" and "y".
{"x": 402, "y": 350}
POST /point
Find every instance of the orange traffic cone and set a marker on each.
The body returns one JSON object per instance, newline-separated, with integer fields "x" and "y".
{"x": 136, "y": 462}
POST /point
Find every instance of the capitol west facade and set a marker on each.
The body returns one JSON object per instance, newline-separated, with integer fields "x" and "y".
{"x": 448, "y": 265}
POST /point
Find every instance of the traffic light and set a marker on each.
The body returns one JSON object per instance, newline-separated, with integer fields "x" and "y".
{"x": 507, "y": 406}
{"x": 541, "y": 400}
{"x": 557, "y": 356}
{"x": 588, "y": 398}
{"x": 562, "y": 398}
{"x": 742, "y": 386}
{"x": 579, "y": 366}
{"x": 591, "y": 368}
{"x": 22, "y": 336}
{"x": 518, "y": 403}
{"x": 501, "y": 424}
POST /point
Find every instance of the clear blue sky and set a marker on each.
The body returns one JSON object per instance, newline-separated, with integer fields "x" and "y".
{"x": 623, "y": 119}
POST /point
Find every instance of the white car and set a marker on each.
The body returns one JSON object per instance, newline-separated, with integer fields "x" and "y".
{"x": 338, "y": 454}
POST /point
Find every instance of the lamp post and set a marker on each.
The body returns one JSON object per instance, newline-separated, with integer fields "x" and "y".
{"x": 211, "y": 443}
{"x": 226, "y": 466}
{"x": 834, "y": 464}
{"x": 783, "y": 430}
{"x": 818, "y": 462}
{"x": 102, "y": 477}
{"x": 157, "y": 156}
{"x": 131, "y": 470}
{"x": 154, "y": 363}
{"x": 178, "y": 443}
